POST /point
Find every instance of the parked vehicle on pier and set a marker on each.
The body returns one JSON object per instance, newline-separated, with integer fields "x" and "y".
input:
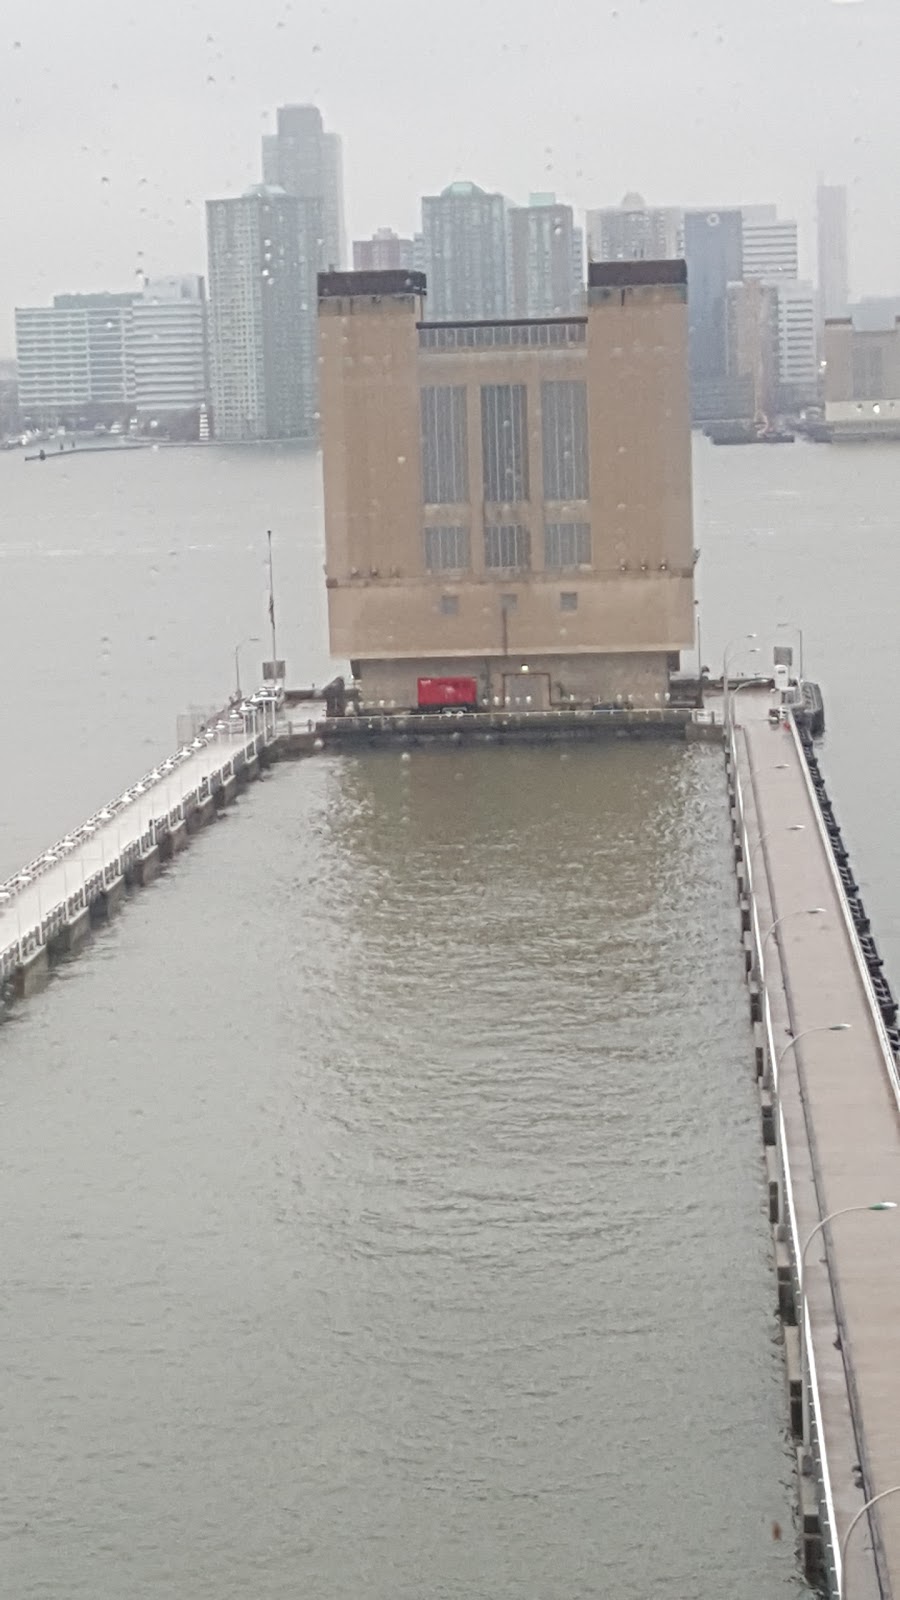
{"x": 439, "y": 695}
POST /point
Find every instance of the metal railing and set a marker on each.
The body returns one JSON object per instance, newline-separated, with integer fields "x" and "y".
{"x": 831, "y": 1559}
{"x": 228, "y": 728}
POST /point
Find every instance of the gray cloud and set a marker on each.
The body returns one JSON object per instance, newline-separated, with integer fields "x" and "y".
{"x": 118, "y": 120}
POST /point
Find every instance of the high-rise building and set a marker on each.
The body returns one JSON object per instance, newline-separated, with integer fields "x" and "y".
{"x": 769, "y": 244}
{"x": 465, "y": 252}
{"x": 542, "y": 256}
{"x": 384, "y": 252}
{"x": 305, "y": 161}
{"x": 713, "y": 247}
{"x": 753, "y": 344}
{"x": 833, "y": 250}
{"x": 168, "y": 338}
{"x": 634, "y": 231}
{"x": 798, "y": 370}
{"x": 74, "y": 355}
{"x": 537, "y": 532}
{"x": 106, "y": 354}
{"x": 262, "y": 271}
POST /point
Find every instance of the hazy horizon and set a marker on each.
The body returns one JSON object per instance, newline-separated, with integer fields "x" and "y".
{"x": 116, "y": 124}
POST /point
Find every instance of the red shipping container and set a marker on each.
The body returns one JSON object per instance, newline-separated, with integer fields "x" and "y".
{"x": 448, "y": 694}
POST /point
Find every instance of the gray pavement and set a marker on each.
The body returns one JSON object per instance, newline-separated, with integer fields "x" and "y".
{"x": 838, "y": 1095}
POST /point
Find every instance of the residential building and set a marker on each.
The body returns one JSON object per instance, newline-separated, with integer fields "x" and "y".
{"x": 770, "y": 248}
{"x": 75, "y": 355}
{"x": 103, "y": 356}
{"x": 833, "y": 251}
{"x": 634, "y": 231}
{"x": 464, "y": 234}
{"x": 262, "y": 267}
{"x": 713, "y": 244}
{"x": 509, "y": 500}
{"x": 543, "y": 251}
{"x": 798, "y": 367}
{"x": 305, "y": 161}
{"x": 383, "y": 252}
{"x": 168, "y": 340}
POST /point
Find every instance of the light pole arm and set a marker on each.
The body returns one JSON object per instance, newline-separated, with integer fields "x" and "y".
{"x": 895, "y": 1489}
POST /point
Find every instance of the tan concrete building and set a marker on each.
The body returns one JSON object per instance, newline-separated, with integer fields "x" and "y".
{"x": 862, "y": 379}
{"x": 509, "y": 500}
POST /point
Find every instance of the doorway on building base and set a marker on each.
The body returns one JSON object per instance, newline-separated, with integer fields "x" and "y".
{"x": 526, "y": 691}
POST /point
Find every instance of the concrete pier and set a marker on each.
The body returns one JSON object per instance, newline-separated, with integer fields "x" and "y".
{"x": 47, "y": 909}
{"x": 508, "y": 727}
{"x": 830, "y": 1110}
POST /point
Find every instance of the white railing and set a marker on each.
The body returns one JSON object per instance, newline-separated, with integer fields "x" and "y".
{"x": 827, "y": 1519}
{"x": 226, "y": 729}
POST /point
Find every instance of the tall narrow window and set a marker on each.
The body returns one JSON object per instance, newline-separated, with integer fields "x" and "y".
{"x": 504, "y": 442}
{"x": 565, "y": 439}
{"x": 446, "y": 549}
{"x": 567, "y": 544}
{"x": 445, "y": 452}
{"x": 507, "y": 546}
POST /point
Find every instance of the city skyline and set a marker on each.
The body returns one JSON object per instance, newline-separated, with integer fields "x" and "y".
{"x": 124, "y": 192}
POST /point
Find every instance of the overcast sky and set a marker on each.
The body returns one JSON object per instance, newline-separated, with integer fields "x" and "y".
{"x": 118, "y": 118}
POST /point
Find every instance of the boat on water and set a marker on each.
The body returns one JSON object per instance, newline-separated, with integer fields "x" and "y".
{"x": 747, "y": 433}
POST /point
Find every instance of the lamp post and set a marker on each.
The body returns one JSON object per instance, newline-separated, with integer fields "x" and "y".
{"x": 733, "y": 644}
{"x": 790, "y": 827}
{"x": 799, "y": 632}
{"x": 105, "y": 817}
{"x": 25, "y": 879}
{"x": 842, "y": 1581}
{"x": 237, "y": 662}
{"x": 804, "y": 911}
{"x": 827, "y": 1027}
{"x": 843, "y": 1211}
{"x": 751, "y": 683}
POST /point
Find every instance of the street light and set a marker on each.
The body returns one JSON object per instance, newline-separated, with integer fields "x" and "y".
{"x": 790, "y": 827}
{"x": 828, "y": 1027}
{"x": 733, "y": 644}
{"x": 804, "y": 911}
{"x": 799, "y": 632}
{"x": 844, "y": 1211}
{"x": 751, "y": 683}
{"x": 842, "y": 1582}
{"x": 237, "y": 662}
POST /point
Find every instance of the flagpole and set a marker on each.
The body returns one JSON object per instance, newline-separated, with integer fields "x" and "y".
{"x": 272, "y": 603}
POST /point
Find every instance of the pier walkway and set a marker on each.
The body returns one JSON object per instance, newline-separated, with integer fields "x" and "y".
{"x": 47, "y": 907}
{"x": 831, "y": 1122}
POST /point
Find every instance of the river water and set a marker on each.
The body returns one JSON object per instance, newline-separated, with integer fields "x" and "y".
{"x": 382, "y": 1193}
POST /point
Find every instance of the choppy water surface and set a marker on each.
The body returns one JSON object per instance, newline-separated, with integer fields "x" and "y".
{"x": 382, "y": 1193}
{"x": 383, "y": 1205}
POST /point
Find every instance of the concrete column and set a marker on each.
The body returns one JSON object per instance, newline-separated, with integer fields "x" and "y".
{"x": 72, "y": 933}
{"x": 179, "y": 837}
{"x": 107, "y": 900}
{"x": 33, "y": 974}
{"x": 146, "y": 868}
{"x": 229, "y": 791}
